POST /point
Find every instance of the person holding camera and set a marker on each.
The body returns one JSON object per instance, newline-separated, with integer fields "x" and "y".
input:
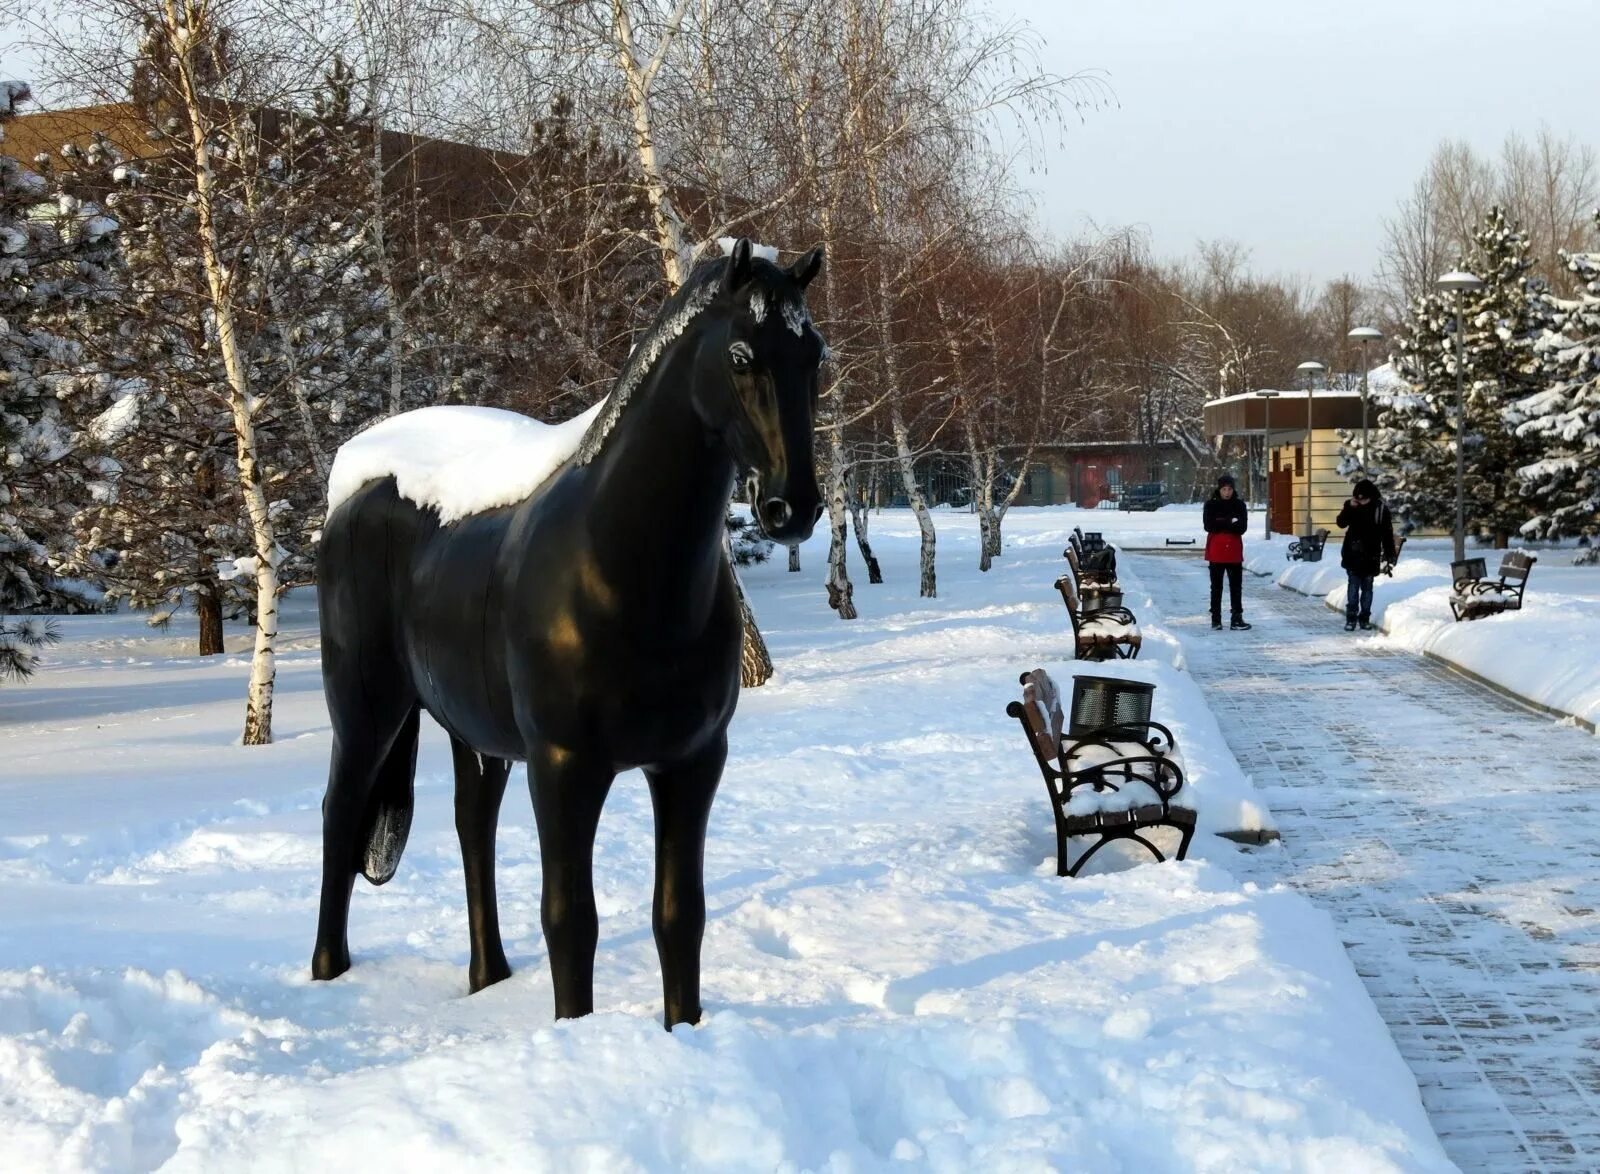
{"x": 1226, "y": 520}
{"x": 1368, "y": 545}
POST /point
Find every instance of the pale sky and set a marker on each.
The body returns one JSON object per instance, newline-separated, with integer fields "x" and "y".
{"x": 1292, "y": 126}
{"x": 1295, "y": 126}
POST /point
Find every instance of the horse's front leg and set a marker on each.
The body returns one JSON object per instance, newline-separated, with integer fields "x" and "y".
{"x": 682, "y": 795}
{"x": 569, "y": 789}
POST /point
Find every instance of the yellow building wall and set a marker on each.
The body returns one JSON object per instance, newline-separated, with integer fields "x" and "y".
{"x": 1329, "y": 488}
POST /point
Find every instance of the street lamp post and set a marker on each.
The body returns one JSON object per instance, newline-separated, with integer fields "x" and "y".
{"x": 1364, "y": 335}
{"x": 1455, "y": 284}
{"x": 1266, "y": 456}
{"x": 1310, "y": 367}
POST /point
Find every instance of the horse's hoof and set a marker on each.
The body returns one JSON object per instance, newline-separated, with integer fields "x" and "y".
{"x": 479, "y": 977}
{"x": 674, "y": 1019}
{"x": 326, "y": 964}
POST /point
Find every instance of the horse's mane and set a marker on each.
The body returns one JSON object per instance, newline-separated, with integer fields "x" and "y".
{"x": 682, "y": 308}
{"x": 677, "y": 313}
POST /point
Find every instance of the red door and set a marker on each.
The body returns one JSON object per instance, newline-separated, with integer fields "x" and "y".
{"x": 1280, "y": 500}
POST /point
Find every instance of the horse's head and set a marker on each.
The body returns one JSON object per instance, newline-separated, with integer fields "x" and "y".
{"x": 761, "y": 359}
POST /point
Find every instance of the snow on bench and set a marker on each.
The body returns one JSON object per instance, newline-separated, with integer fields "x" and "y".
{"x": 457, "y": 460}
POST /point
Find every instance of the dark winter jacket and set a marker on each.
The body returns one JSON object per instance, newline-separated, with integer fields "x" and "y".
{"x": 1368, "y": 537}
{"x": 1225, "y": 522}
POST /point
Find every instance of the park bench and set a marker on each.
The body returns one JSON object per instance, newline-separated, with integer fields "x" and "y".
{"x": 1476, "y": 595}
{"x": 1097, "y": 568}
{"x": 1090, "y": 542}
{"x": 1308, "y": 547}
{"x": 1112, "y": 782}
{"x": 1099, "y": 633}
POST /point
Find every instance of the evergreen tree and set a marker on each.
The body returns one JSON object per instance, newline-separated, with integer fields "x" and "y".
{"x": 747, "y": 543}
{"x": 1414, "y": 445}
{"x": 57, "y": 254}
{"x": 1563, "y": 485}
{"x": 168, "y": 523}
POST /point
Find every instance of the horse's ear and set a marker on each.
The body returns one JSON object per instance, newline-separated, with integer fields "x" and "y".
{"x": 738, "y": 265}
{"x": 807, "y": 267}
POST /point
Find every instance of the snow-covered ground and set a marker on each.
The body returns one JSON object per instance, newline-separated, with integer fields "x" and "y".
{"x": 1546, "y": 652}
{"x": 894, "y": 976}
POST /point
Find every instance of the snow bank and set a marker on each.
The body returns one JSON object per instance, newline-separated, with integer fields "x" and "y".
{"x": 457, "y": 460}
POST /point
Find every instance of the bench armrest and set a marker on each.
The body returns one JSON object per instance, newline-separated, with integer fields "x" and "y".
{"x": 1159, "y": 772}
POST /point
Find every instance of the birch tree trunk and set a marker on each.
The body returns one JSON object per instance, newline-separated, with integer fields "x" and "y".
{"x": 858, "y": 522}
{"x": 981, "y": 495}
{"x": 638, "y": 78}
{"x": 840, "y": 589}
{"x": 928, "y": 584}
{"x": 184, "y": 33}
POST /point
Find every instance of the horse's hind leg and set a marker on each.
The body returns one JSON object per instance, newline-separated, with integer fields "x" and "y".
{"x": 480, "y": 785}
{"x": 371, "y": 751}
{"x": 682, "y": 795}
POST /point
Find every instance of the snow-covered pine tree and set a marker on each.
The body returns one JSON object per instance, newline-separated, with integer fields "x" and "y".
{"x": 21, "y": 637}
{"x": 319, "y": 292}
{"x": 1563, "y": 485}
{"x": 1414, "y": 443}
{"x": 748, "y": 544}
{"x": 56, "y": 259}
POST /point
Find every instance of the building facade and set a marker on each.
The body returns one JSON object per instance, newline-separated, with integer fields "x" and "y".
{"x": 1299, "y": 434}
{"x": 1094, "y": 473}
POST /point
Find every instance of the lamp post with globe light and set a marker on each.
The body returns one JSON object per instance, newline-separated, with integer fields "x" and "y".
{"x": 1455, "y": 284}
{"x": 1310, "y": 368}
{"x": 1364, "y": 335}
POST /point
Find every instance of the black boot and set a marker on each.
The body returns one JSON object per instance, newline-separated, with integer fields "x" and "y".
{"x": 1366, "y": 624}
{"x": 1349, "y": 624}
{"x": 1238, "y": 624}
{"x": 1216, "y": 623}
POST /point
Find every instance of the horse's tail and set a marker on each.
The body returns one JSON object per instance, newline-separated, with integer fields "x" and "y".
{"x": 387, "y": 821}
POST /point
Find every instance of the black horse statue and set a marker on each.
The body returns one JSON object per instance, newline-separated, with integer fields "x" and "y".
{"x": 590, "y": 628}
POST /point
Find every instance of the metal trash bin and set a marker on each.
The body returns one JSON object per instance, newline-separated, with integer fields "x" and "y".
{"x": 1100, "y": 598}
{"x": 1099, "y": 703}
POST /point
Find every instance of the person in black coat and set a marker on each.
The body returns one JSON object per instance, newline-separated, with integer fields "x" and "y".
{"x": 1368, "y": 544}
{"x": 1226, "y": 520}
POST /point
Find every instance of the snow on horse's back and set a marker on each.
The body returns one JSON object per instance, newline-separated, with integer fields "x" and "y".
{"x": 457, "y": 460}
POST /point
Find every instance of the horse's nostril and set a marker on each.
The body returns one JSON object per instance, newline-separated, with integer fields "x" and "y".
{"x": 778, "y": 511}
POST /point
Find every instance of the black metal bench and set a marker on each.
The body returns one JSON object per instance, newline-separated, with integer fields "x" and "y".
{"x": 1308, "y": 547}
{"x": 1111, "y": 783}
{"x": 1103, "y": 630}
{"x": 1097, "y": 567}
{"x": 1476, "y": 595}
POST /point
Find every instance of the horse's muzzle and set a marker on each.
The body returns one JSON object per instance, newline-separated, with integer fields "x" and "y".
{"x": 784, "y": 520}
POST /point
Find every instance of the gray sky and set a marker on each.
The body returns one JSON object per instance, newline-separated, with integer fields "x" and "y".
{"x": 1295, "y": 126}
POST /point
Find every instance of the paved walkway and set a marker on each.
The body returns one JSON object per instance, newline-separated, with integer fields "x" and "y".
{"x": 1455, "y": 839}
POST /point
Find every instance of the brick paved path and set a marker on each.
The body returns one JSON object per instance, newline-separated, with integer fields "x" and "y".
{"x": 1455, "y": 839}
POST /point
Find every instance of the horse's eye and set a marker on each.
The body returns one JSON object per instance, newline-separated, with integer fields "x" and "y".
{"x": 740, "y": 355}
